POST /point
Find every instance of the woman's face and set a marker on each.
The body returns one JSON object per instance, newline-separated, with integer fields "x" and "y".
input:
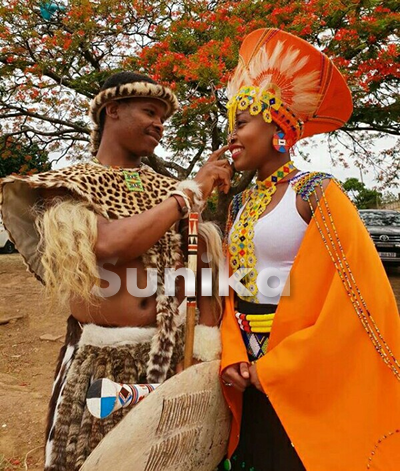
{"x": 251, "y": 142}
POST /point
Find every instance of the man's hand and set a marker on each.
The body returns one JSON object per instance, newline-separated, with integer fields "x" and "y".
{"x": 237, "y": 376}
{"x": 214, "y": 173}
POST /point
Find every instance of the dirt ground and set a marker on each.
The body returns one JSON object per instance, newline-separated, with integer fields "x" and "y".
{"x": 27, "y": 363}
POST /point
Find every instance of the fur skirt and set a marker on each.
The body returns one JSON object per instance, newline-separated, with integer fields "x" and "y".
{"x": 91, "y": 352}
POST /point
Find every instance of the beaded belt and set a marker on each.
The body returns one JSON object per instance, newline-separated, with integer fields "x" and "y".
{"x": 256, "y": 323}
{"x": 256, "y": 318}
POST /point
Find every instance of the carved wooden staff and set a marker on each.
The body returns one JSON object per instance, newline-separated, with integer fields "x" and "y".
{"x": 191, "y": 300}
{"x": 105, "y": 396}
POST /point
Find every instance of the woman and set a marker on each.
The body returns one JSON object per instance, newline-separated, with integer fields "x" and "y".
{"x": 311, "y": 336}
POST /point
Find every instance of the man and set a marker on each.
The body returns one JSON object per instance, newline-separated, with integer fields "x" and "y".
{"x": 120, "y": 215}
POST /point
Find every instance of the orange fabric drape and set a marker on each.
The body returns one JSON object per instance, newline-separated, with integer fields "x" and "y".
{"x": 336, "y": 398}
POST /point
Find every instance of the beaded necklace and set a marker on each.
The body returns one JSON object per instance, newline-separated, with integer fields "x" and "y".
{"x": 241, "y": 246}
{"x": 131, "y": 176}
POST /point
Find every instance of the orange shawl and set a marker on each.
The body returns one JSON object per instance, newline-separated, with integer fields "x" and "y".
{"x": 337, "y": 399}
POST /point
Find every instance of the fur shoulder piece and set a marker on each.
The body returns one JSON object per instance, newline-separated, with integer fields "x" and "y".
{"x": 104, "y": 189}
{"x": 305, "y": 183}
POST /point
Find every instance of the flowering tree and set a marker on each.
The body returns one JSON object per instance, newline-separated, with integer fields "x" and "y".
{"x": 55, "y": 54}
{"x": 22, "y": 157}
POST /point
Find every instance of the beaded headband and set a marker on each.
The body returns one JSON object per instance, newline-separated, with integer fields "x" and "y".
{"x": 290, "y": 82}
{"x": 123, "y": 92}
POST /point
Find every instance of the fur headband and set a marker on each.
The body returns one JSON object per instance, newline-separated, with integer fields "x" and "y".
{"x": 124, "y": 91}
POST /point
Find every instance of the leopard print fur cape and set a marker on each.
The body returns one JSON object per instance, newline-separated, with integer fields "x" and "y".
{"x": 106, "y": 191}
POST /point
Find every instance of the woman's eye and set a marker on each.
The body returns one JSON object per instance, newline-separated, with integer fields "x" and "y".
{"x": 240, "y": 123}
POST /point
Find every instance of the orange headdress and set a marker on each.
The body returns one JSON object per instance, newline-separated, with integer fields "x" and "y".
{"x": 291, "y": 83}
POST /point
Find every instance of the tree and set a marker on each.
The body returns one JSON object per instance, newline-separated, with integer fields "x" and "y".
{"x": 22, "y": 158}
{"x": 52, "y": 65}
{"x": 363, "y": 197}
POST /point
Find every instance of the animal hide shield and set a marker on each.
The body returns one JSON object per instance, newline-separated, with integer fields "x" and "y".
{"x": 182, "y": 425}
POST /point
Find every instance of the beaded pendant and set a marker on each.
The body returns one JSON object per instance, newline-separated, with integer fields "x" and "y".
{"x": 241, "y": 246}
{"x": 131, "y": 177}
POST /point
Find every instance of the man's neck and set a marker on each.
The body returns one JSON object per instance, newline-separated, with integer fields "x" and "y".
{"x": 117, "y": 159}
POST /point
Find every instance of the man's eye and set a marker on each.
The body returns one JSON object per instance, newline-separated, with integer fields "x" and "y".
{"x": 150, "y": 112}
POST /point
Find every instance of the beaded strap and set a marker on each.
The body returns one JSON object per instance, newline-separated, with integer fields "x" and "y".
{"x": 337, "y": 254}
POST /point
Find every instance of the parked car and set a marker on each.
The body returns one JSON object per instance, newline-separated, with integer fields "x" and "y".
{"x": 6, "y": 246}
{"x": 384, "y": 228}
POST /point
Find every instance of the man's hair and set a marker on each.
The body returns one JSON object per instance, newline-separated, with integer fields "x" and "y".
{"x": 120, "y": 78}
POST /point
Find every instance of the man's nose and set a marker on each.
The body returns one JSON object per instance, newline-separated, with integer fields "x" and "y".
{"x": 158, "y": 124}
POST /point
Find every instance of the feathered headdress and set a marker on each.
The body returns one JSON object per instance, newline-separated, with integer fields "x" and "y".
{"x": 291, "y": 83}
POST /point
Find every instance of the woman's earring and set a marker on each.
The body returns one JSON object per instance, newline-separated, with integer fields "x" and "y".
{"x": 280, "y": 143}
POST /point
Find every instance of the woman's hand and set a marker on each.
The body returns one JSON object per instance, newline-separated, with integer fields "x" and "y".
{"x": 254, "y": 380}
{"x": 237, "y": 376}
{"x": 214, "y": 173}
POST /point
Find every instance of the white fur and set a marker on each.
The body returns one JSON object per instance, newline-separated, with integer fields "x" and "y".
{"x": 192, "y": 186}
{"x": 207, "y": 343}
{"x": 115, "y": 336}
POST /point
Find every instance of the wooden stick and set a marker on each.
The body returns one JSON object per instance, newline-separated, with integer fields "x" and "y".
{"x": 191, "y": 300}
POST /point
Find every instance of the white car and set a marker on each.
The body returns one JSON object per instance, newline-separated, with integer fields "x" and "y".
{"x": 6, "y": 246}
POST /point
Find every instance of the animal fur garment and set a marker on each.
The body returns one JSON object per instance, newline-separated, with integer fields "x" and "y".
{"x": 104, "y": 190}
{"x": 119, "y": 354}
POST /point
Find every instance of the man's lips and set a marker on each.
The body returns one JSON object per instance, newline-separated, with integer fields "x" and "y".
{"x": 235, "y": 151}
{"x": 155, "y": 135}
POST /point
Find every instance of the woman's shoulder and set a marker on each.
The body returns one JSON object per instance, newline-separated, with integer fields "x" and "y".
{"x": 305, "y": 184}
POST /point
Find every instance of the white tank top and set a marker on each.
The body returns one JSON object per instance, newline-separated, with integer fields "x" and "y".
{"x": 277, "y": 239}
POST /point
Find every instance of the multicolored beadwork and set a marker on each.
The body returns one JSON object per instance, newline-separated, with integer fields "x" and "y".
{"x": 268, "y": 103}
{"x": 256, "y": 323}
{"x": 241, "y": 246}
{"x": 337, "y": 254}
{"x": 131, "y": 176}
{"x": 257, "y": 101}
{"x": 280, "y": 143}
{"x": 256, "y": 344}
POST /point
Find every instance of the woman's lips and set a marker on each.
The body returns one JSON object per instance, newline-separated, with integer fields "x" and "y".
{"x": 236, "y": 151}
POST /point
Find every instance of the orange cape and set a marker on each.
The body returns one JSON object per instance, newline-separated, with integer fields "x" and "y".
{"x": 337, "y": 399}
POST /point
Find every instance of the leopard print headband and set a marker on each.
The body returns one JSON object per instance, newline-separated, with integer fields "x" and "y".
{"x": 121, "y": 92}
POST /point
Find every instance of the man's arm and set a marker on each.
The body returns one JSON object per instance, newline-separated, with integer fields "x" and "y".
{"x": 128, "y": 238}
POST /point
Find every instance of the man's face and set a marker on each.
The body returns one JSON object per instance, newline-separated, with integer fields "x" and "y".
{"x": 137, "y": 124}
